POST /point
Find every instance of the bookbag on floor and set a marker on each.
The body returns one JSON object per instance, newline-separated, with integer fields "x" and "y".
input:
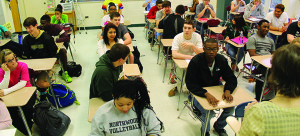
{"x": 63, "y": 94}
{"x": 74, "y": 70}
{"x": 51, "y": 121}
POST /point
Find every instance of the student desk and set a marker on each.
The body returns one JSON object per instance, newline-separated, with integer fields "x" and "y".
{"x": 239, "y": 47}
{"x": 3, "y": 42}
{"x": 276, "y": 33}
{"x": 94, "y": 105}
{"x": 19, "y": 98}
{"x": 156, "y": 30}
{"x": 188, "y": 13}
{"x": 181, "y": 63}
{"x": 71, "y": 14}
{"x": 131, "y": 70}
{"x": 42, "y": 65}
{"x": 239, "y": 96}
{"x": 251, "y": 21}
{"x": 166, "y": 43}
{"x": 264, "y": 60}
{"x": 217, "y": 30}
{"x": 203, "y": 22}
{"x": 234, "y": 13}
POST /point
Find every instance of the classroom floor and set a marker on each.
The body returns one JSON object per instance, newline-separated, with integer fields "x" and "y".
{"x": 164, "y": 106}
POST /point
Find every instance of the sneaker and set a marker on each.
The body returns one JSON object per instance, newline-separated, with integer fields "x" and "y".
{"x": 207, "y": 134}
{"x": 197, "y": 112}
{"x": 69, "y": 79}
{"x": 221, "y": 132}
{"x": 172, "y": 92}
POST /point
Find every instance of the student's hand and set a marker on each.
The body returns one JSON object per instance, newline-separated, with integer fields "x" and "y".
{"x": 227, "y": 96}
{"x": 170, "y": 12}
{"x": 206, "y": 7}
{"x": 164, "y": 13}
{"x": 254, "y": 7}
{"x": 284, "y": 28}
{"x": 57, "y": 18}
{"x": 197, "y": 2}
{"x": 240, "y": 2}
{"x": 281, "y": 29}
{"x": 4, "y": 67}
{"x": 249, "y": 105}
{"x": 150, "y": 1}
{"x": 6, "y": 34}
{"x": 226, "y": 39}
{"x": 186, "y": 44}
{"x": 211, "y": 99}
{"x": 1, "y": 93}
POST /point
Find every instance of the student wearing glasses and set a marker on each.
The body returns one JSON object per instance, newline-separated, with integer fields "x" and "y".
{"x": 14, "y": 75}
{"x": 205, "y": 70}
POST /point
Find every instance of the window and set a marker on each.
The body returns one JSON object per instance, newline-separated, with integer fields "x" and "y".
{"x": 274, "y": 3}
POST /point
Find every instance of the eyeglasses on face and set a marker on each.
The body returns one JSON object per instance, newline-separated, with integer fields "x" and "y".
{"x": 9, "y": 61}
{"x": 213, "y": 49}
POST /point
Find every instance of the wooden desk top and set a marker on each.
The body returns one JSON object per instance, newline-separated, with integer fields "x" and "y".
{"x": 130, "y": 47}
{"x": 94, "y": 105}
{"x": 208, "y": 19}
{"x": 234, "y": 13}
{"x": 235, "y": 44}
{"x": 167, "y": 42}
{"x": 131, "y": 70}
{"x": 64, "y": 12}
{"x": 181, "y": 63}
{"x": 157, "y": 30}
{"x": 189, "y": 13}
{"x": 234, "y": 124}
{"x": 264, "y": 60}
{"x": 19, "y": 97}
{"x": 239, "y": 96}
{"x": 127, "y": 22}
{"x": 217, "y": 30}
{"x": 277, "y": 33}
{"x": 152, "y": 21}
{"x": 40, "y": 64}
{"x": 3, "y": 42}
{"x": 249, "y": 21}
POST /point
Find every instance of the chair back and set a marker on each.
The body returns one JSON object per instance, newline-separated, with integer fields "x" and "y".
{"x": 31, "y": 76}
{"x": 186, "y": 8}
{"x": 228, "y": 8}
{"x": 213, "y": 22}
{"x": 240, "y": 109}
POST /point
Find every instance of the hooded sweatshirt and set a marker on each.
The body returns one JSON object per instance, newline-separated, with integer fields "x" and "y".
{"x": 103, "y": 78}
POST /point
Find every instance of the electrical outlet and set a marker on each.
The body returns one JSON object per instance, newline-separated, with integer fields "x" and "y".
{"x": 86, "y": 16}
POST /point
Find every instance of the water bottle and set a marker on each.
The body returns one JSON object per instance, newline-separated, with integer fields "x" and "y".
{"x": 297, "y": 34}
{"x": 241, "y": 39}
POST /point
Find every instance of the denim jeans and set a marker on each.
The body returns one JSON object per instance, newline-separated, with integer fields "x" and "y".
{"x": 232, "y": 51}
{"x": 221, "y": 122}
{"x": 273, "y": 37}
{"x": 198, "y": 27}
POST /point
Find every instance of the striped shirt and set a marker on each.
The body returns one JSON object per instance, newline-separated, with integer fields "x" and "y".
{"x": 268, "y": 119}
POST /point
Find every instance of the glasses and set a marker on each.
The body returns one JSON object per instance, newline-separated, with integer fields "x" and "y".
{"x": 9, "y": 61}
{"x": 213, "y": 49}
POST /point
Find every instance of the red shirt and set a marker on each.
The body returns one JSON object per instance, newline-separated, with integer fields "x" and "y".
{"x": 152, "y": 12}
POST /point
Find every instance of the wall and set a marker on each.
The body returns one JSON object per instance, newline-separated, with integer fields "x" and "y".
{"x": 5, "y": 15}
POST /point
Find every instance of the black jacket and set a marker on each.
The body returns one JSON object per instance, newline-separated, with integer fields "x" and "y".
{"x": 172, "y": 25}
{"x": 198, "y": 75}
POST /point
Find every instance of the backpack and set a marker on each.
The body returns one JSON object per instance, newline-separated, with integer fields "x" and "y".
{"x": 63, "y": 94}
{"x": 51, "y": 121}
{"x": 74, "y": 70}
{"x": 136, "y": 53}
{"x": 130, "y": 33}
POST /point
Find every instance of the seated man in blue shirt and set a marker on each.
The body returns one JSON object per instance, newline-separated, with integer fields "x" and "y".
{"x": 205, "y": 70}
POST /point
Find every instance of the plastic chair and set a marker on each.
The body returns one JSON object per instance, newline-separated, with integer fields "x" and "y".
{"x": 214, "y": 23}
{"x": 240, "y": 110}
{"x": 228, "y": 8}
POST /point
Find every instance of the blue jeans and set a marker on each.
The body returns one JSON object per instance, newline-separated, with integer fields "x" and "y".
{"x": 221, "y": 122}
{"x": 198, "y": 27}
{"x": 232, "y": 51}
{"x": 273, "y": 37}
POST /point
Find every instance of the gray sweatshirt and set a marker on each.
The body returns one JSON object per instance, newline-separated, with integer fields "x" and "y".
{"x": 109, "y": 121}
{"x": 257, "y": 13}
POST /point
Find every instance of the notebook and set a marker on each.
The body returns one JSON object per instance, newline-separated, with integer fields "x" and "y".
{"x": 237, "y": 40}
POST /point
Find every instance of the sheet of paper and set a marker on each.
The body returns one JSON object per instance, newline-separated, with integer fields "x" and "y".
{"x": 8, "y": 132}
{"x": 187, "y": 61}
{"x": 241, "y": 9}
{"x": 254, "y": 19}
{"x": 146, "y": 12}
{"x": 221, "y": 103}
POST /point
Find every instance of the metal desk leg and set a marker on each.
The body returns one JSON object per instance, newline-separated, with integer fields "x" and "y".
{"x": 24, "y": 120}
{"x": 159, "y": 46}
{"x": 180, "y": 91}
{"x": 236, "y": 60}
{"x": 51, "y": 89}
{"x": 276, "y": 40}
{"x": 166, "y": 63}
{"x": 265, "y": 82}
{"x": 201, "y": 29}
{"x": 206, "y": 122}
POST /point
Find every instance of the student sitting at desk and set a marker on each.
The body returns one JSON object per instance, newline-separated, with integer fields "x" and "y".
{"x": 122, "y": 32}
{"x": 258, "y": 45}
{"x": 233, "y": 30}
{"x": 118, "y": 4}
{"x": 110, "y": 38}
{"x": 154, "y": 9}
{"x": 130, "y": 104}
{"x": 38, "y": 44}
{"x": 149, "y": 4}
{"x": 192, "y": 5}
{"x": 204, "y": 10}
{"x": 235, "y": 5}
{"x": 185, "y": 46}
{"x": 106, "y": 19}
{"x": 173, "y": 23}
{"x": 60, "y": 35}
{"x": 59, "y": 17}
{"x": 254, "y": 9}
{"x": 205, "y": 70}
{"x": 281, "y": 115}
{"x": 5, "y": 119}
{"x": 166, "y": 5}
{"x": 108, "y": 71}
{"x": 14, "y": 75}
{"x": 292, "y": 32}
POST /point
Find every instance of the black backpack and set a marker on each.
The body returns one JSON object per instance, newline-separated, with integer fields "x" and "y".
{"x": 130, "y": 33}
{"x": 74, "y": 70}
{"x": 51, "y": 121}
